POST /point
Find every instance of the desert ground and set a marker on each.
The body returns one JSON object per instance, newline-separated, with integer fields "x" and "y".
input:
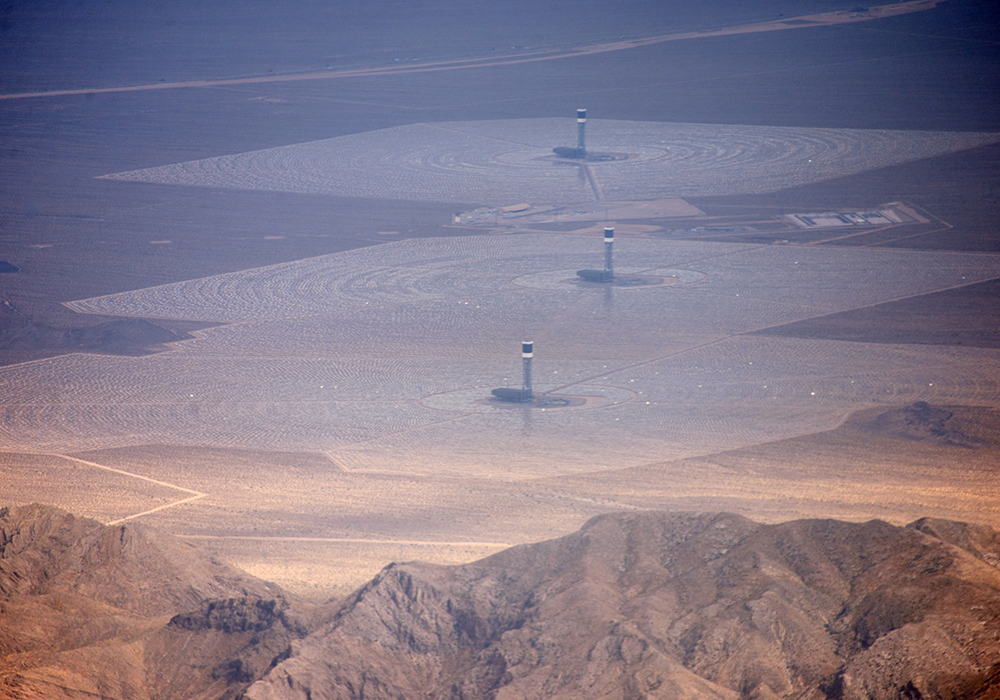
{"x": 245, "y": 312}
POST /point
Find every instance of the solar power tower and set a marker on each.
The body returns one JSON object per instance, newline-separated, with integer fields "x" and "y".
{"x": 527, "y": 351}
{"x": 524, "y": 394}
{"x": 580, "y": 152}
{"x": 608, "y": 273}
{"x": 609, "y": 241}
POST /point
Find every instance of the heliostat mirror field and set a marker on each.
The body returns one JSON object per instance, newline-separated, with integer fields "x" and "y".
{"x": 506, "y": 161}
{"x": 382, "y": 357}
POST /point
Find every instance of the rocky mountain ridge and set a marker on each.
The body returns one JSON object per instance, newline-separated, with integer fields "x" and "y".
{"x": 633, "y": 605}
{"x": 673, "y": 605}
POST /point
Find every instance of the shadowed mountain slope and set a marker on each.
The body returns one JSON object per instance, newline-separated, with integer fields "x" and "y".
{"x": 127, "y": 612}
{"x": 674, "y": 605}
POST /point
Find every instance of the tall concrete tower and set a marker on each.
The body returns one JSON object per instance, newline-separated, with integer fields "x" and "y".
{"x": 609, "y": 241}
{"x": 608, "y": 273}
{"x": 580, "y": 152}
{"x": 526, "y": 353}
{"x": 524, "y": 394}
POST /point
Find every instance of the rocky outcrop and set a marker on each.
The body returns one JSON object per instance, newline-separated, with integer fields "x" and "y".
{"x": 674, "y": 605}
{"x": 921, "y": 421}
{"x": 234, "y": 615}
{"x": 217, "y": 650}
{"x": 21, "y": 336}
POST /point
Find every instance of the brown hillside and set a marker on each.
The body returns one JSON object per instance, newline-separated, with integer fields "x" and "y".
{"x": 674, "y": 605}
{"x": 46, "y": 551}
{"x": 90, "y": 610}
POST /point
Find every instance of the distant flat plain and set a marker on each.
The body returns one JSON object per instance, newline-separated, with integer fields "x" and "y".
{"x": 357, "y": 483}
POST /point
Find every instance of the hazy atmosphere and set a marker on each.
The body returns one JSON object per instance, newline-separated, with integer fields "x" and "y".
{"x": 265, "y": 276}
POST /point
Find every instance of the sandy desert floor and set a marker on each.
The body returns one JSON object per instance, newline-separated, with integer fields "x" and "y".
{"x": 337, "y": 417}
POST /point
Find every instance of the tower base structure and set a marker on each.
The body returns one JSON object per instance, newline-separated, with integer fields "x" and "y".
{"x": 595, "y": 275}
{"x": 513, "y": 395}
{"x": 567, "y": 152}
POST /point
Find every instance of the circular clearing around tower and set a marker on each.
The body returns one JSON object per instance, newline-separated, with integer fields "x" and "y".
{"x": 478, "y": 400}
{"x": 645, "y": 278}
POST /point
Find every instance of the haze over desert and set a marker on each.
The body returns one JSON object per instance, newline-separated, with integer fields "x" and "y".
{"x": 257, "y": 295}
